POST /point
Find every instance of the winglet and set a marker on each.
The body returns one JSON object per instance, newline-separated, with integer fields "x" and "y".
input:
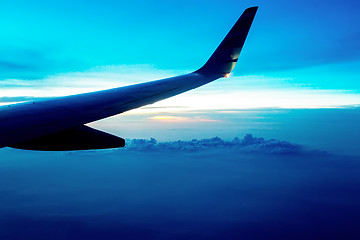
{"x": 226, "y": 55}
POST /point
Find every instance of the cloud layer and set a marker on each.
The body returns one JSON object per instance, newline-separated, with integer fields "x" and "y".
{"x": 248, "y": 144}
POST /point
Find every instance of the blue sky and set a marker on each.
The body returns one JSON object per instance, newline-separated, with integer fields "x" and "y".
{"x": 311, "y": 45}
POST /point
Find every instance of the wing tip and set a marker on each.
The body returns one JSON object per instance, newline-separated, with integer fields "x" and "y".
{"x": 251, "y": 9}
{"x": 223, "y": 60}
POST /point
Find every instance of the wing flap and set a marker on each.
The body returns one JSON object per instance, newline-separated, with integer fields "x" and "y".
{"x": 79, "y": 138}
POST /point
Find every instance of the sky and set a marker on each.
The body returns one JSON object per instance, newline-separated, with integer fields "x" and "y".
{"x": 270, "y": 152}
{"x": 298, "y": 54}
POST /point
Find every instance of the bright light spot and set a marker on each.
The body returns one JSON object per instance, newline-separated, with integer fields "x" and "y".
{"x": 227, "y": 75}
{"x": 168, "y": 118}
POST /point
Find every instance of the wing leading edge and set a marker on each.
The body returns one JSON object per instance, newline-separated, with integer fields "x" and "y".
{"x": 22, "y": 125}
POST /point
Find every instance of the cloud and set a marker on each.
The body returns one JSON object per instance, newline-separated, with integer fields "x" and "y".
{"x": 248, "y": 144}
{"x": 165, "y": 118}
{"x": 19, "y": 99}
{"x": 74, "y": 82}
{"x": 26, "y": 63}
{"x": 7, "y": 65}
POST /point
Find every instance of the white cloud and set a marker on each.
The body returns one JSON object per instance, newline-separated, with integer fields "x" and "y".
{"x": 95, "y": 79}
{"x": 232, "y": 93}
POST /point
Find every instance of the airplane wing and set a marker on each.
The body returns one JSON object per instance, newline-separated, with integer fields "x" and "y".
{"x": 58, "y": 124}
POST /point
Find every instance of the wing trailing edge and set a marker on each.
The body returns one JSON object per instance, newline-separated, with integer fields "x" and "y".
{"x": 80, "y": 138}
